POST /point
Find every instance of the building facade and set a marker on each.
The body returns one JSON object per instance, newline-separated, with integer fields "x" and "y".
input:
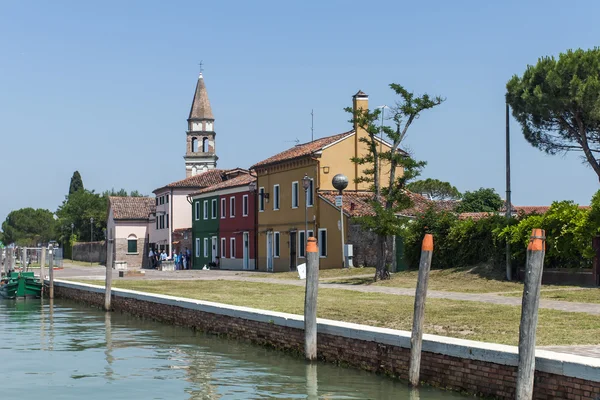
{"x": 128, "y": 222}
{"x": 286, "y": 210}
{"x": 224, "y": 224}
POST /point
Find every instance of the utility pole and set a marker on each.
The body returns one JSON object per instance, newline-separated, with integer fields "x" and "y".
{"x": 508, "y": 199}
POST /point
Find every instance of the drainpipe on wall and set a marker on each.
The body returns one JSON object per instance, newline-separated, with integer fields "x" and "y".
{"x": 255, "y": 208}
{"x": 171, "y": 224}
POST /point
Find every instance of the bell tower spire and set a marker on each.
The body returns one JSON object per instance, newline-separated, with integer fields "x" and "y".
{"x": 200, "y": 152}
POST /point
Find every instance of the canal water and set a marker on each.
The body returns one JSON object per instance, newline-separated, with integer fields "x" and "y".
{"x": 70, "y": 351}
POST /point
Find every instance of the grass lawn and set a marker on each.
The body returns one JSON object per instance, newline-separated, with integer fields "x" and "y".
{"x": 323, "y": 274}
{"x": 81, "y": 263}
{"x": 461, "y": 319}
{"x": 591, "y": 295}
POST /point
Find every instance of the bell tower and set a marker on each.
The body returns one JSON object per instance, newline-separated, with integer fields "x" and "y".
{"x": 200, "y": 155}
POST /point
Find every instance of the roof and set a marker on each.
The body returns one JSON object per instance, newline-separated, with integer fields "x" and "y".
{"x": 131, "y": 208}
{"x": 356, "y": 203}
{"x": 200, "y": 105}
{"x": 476, "y": 215}
{"x": 240, "y": 180}
{"x": 302, "y": 150}
{"x": 199, "y": 181}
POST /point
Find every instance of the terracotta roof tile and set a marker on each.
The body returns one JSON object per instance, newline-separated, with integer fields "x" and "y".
{"x": 302, "y": 150}
{"x": 356, "y": 204}
{"x": 202, "y": 180}
{"x": 240, "y": 180}
{"x": 131, "y": 207}
{"x": 476, "y": 215}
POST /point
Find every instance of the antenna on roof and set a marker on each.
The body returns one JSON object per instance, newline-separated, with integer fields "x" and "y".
{"x": 312, "y": 126}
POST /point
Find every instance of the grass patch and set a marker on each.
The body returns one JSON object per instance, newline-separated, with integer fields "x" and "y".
{"x": 578, "y": 296}
{"x": 323, "y": 274}
{"x": 81, "y": 263}
{"x": 478, "y": 279}
{"x": 461, "y": 319}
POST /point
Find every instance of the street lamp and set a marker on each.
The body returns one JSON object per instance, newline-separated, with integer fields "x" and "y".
{"x": 91, "y": 237}
{"x": 340, "y": 182}
{"x": 306, "y": 186}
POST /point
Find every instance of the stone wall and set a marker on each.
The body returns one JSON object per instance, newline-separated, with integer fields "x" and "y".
{"x": 364, "y": 246}
{"x": 86, "y": 251}
{"x": 134, "y": 260}
{"x": 475, "y": 367}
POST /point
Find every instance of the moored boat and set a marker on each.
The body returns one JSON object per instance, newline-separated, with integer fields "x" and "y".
{"x": 20, "y": 284}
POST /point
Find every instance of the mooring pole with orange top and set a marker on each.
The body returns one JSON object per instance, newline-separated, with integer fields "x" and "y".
{"x": 416, "y": 338}
{"x": 310, "y": 299}
{"x": 529, "y": 314}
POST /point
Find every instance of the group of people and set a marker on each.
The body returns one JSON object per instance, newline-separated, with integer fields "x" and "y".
{"x": 182, "y": 260}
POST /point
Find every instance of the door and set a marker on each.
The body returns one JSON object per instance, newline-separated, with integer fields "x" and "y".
{"x": 246, "y": 239}
{"x": 213, "y": 253}
{"x": 270, "y": 251}
{"x": 293, "y": 247}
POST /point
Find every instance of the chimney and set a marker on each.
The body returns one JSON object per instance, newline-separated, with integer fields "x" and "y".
{"x": 360, "y": 101}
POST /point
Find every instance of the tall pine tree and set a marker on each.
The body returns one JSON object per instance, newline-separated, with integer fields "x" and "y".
{"x": 76, "y": 183}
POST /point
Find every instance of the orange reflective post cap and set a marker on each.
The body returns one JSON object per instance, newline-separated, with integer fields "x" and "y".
{"x": 311, "y": 245}
{"x": 427, "y": 242}
{"x": 537, "y": 242}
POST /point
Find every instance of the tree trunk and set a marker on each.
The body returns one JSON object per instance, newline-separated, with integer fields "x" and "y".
{"x": 381, "y": 272}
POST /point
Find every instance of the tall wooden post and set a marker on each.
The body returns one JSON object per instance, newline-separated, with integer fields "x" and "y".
{"x": 529, "y": 314}
{"x": 51, "y": 271}
{"x": 42, "y": 267}
{"x": 109, "y": 267}
{"x": 24, "y": 264}
{"x": 310, "y": 299}
{"x": 416, "y": 339}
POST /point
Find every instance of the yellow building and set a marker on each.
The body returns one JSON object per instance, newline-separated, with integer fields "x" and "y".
{"x": 283, "y": 201}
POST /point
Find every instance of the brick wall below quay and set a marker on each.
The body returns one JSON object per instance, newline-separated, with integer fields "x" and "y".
{"x": 478, "y": 368}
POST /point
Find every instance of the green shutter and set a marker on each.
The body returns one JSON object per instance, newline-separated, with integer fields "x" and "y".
{"x": 132, "y": 246}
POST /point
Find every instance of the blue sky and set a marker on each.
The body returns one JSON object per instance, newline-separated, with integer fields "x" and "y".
{"x": 105, "y": 87}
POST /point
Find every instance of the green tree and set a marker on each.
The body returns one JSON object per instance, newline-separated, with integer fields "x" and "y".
{"x": 76, "y": 183}
{"x": 28, "y": 226}
{"x": 435, "y": 189}
{"x": 390, "y": 197}
{"x": 481, "y": 200}
{"x": 77, "y": 209}
{"x": 557, "y": 103}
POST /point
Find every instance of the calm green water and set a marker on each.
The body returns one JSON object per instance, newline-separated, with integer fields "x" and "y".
{"x": 69, "y": 351}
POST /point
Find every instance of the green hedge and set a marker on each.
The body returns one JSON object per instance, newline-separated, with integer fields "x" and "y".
{"x": 462, "y": 243}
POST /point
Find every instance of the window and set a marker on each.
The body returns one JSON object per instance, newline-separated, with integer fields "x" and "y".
{"x": 205, "y": 209}
{"x": 197, "y": 210}
{"x": 132, "y": 244}
{"x": 205, "y": 145}
{"x": 156, "y": 222}
{"x": 167, "y": 199}
{"x": 223, "y": 210}
{"x": 302, "y": 243}
{"x": 231, "y": 247}
{"x": 310, "y": 194}
{"x": 322, "y": 242}
{"x": 205, "y": 247}
{"x": 157, "y": 201}
{"x": 197, "y": 247}
{"x": 275, "y": 197}
{"x": 261, "y": 199}
{"x": 167, "y": 219}
{"x": 232, "y": 207}
{"x": 223, "y": 248}
{"x": 276, "y": 238}
{"x": 162, "y": 222}
{"x": 245, "y": 205}
{"x": 213, "y": 212}
{"x": 194, "y": 145}
{"x": 294, "y": 194}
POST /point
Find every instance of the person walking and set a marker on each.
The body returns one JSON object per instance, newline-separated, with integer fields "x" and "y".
{"x": 184, "y": 259}
{"x": 175, "y": 260}
{"x": 188, "y": 255}
{"x": 151, "y": 258}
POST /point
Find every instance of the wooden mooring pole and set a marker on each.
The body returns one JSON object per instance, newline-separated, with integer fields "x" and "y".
{"x": 42, "y": 266}
{"x": 529, "y": 314}
{"x": 310, "y": 299}
{"x": 416, "y": 339}
{"x": 109, "y": 267}
{"x": 51, "y": 271}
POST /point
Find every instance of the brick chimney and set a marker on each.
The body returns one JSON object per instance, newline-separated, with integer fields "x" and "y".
{"x": 359, "y": 101}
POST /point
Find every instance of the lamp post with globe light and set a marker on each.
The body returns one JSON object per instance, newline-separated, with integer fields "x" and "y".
{"x": 340, "y": 182}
